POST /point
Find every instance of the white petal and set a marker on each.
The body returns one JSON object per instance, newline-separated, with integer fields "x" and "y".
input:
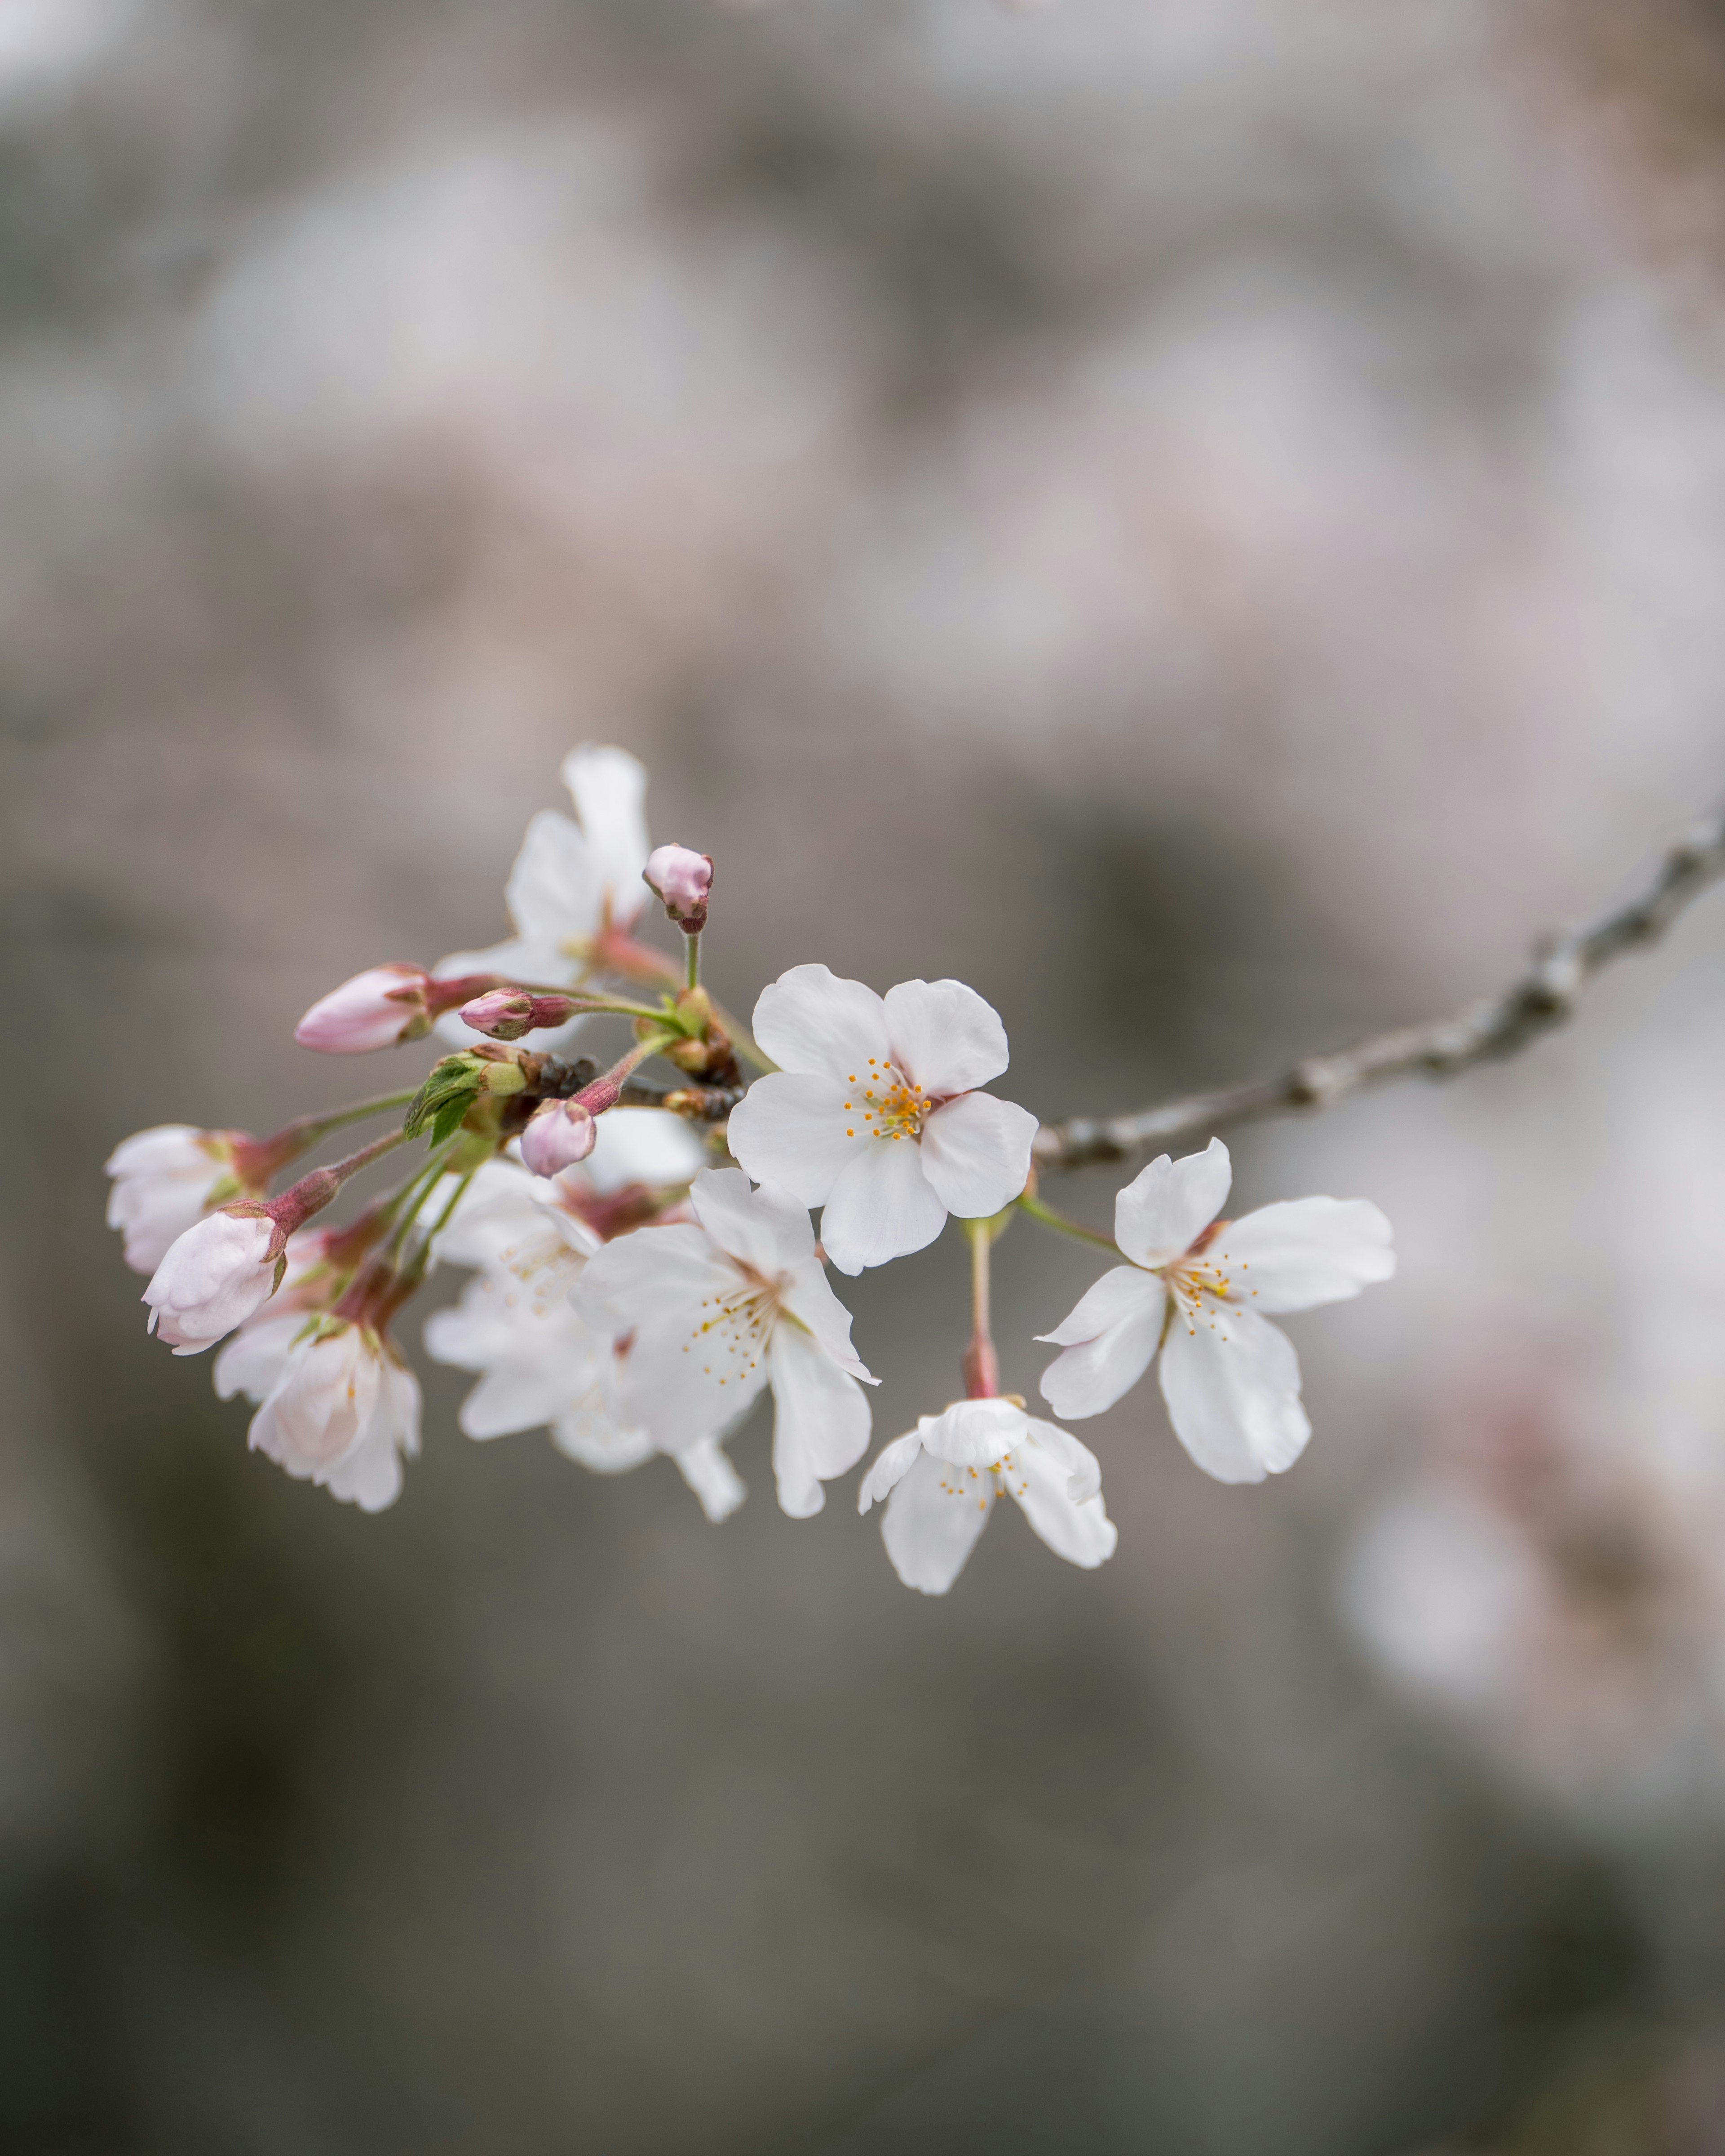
{"x": 932, "y": 1520}
{"x": 164, "y": 1149}
{"x": 821, "y": 1420}
{"x": 892, "y": 1463}
{"x": 806, "y": 1296}
{"x": 608, "y": 787}
{"x": 639, "y": 1277}
{"x": 255, "y": 1359}
{"x": 1233, "y": 1394}
{"x": 1162, "y": 1211}
{"x": 1081, "y": 1468}
{"x": 809, "y": 1020}
{"x": 682, "y": 1381}
{"x": 798, "y": 1129}
{"x": 370, "y": 1476}
{"x": 1306, "y": 1251}
{"x": 1109, "y": 1340}
{"x": 976, "y": 1153}
{"x": 1039, "y": 1481}
{"x": 974, "y": 1432}
{"x": 641, "y": 1145}
{"x": 589, "y": 1433}
{"x": 499, "y": 1211}
{"x": 706, "y": 1468}
{"x": 944, "y": 1037}
{"x": 766, "y": 1230}
{"x": 882, "y": 1207}
{"x": 553, "y": 893}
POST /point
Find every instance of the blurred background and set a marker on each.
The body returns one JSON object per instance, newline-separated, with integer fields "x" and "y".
{"x": 1203, "y": 518}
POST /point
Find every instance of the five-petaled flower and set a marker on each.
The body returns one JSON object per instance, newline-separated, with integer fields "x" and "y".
{"x": 874, "y": 1113}
{"x": 714, "y": 1310}
{"x": 574, "y": 884}
{"x": 540, "y": 1362}
{"x": 338, "y": 1406}
{"x": 1202, "y": 1290}
{"x": 941, "y": 1479}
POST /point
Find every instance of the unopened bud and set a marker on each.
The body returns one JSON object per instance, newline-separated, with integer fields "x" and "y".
{"x": 683, "y": 882}
{"x": 507, "y": 1014}
{"x": 380, "y": 1007}
{"x": 559, "y": 1135}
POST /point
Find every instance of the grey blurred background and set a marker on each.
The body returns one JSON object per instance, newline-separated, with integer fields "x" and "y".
{"x": 1203, "y": 518}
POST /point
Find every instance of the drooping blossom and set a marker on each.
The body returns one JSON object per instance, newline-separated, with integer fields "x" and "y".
{"x": 874, "y": 1113}
{"x": 682, "y": 882}
{"x": 338, "y": 1406}
{"x": 574, "y": 882}
{"x": 1203, "y": 1289}
{"x": 540, "y": 1362}
{"x": 383, "y": 1007}
{"x": 715, "y": 1310}
{"x": 164, "y": 1180}
{"x": 213, "y": 1278}
{"x": 941, "y": 1480}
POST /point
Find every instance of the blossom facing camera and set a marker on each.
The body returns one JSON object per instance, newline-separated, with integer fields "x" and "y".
{"x": 941, "y": 1480}
{"x": 164, "y": 1180}
{"x": 682, "y": 882}
{"x": 873, "y": 1112}
{"x": 559, "y": 1134}
{"x": 380, "y": 1007}
{"x": 1204, "y": 1290}
{"x": 714, "y": 1311}
{"x": 212, "y": 1279}
{"x": 336, "y": 1405}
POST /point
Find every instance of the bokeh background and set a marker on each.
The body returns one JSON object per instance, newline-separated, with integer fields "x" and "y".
{"x": 1204, "y": 518}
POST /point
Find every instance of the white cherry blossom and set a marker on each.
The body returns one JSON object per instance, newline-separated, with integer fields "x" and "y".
{"x": 572, "y": 881}
{"x": 541, "y": 1364}
{"x": 715, "y": 1310}
{"x": 941, "y": 1480}
{"x": 874, "y": 1113}
{"x": 212, "y": 1279}
{"x": 336, "y": 1405}
{"x": 1204, "y": 1290}
{"x": 164, "y": 1180}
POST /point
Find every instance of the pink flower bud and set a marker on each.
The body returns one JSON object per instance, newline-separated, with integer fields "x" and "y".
{"x": 559, "y": 1134}
{"x": 684, "y": 882}
{"x": 380, "y": 1007}
{"x": 507, "y": 1014}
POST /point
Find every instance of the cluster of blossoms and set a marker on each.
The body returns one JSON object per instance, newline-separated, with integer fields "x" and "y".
{"x": 643, "y": 1260}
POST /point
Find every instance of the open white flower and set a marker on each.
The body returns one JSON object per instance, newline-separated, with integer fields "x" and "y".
{"x": 944, "y": 1476}
{"x": 873, "y": 1112}
{"x": 164, "y": 1180}
{"x": 1203, "y": 1289}
{"x": 713, "y": 1312}
{"x": 573, "y": 882}
{"x": 542, "y": 1364}
{"x": 338, "y": 1406}
{"x": 211, "y": 1279}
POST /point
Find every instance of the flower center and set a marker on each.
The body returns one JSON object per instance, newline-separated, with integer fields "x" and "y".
{"x": 1199, "y": 1283}
{"x": 884, "y": 1103}
{"x": 543, "y": 1269}
{"x": 734, "y": 1327}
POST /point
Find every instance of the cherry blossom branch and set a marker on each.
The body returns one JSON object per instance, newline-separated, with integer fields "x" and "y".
{"x": 1540, "y": 997}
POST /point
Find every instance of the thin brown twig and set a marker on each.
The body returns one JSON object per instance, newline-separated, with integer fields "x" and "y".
{"x": 1542, "y": 997}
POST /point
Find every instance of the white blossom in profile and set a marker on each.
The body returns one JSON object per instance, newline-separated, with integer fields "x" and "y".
{"x": 713, "y": 1311}
{"x": 574, "y": 882}
{"x": 1203, "y": 1291}
{"x": 941, "y": 1480}
{"x": 165, "y": 1179}
{"x": 336, "y": 1404}
{"x": 873, "y": 1112}
{"x": 212, "y": 1279}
